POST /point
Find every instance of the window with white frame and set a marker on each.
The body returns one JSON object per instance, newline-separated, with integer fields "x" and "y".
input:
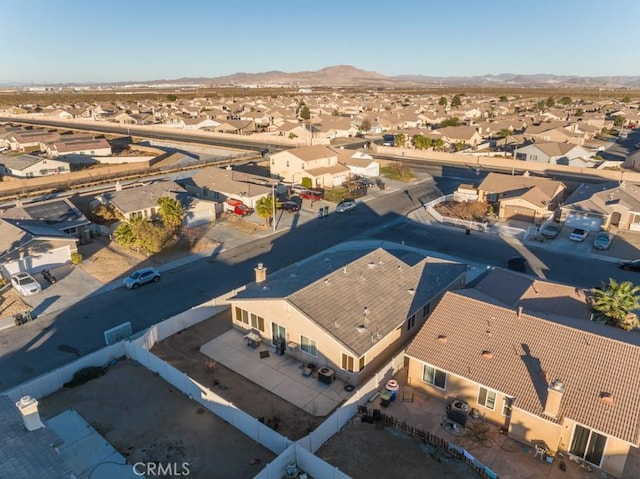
{"x": 309, "y": 346}
{"x": 588, "y": 444}
{"x": 434, "y": 376}
{"x": 507, "y": 404}
{"x": 487, "y": 398}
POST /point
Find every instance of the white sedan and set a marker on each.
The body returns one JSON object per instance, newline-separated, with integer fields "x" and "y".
{"x": 25, "y": 284}
{"x": 578, "y": 234}
{"x": 345, "y": 206}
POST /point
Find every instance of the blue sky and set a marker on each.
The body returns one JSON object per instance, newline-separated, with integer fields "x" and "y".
{"x": 53, "y": 41}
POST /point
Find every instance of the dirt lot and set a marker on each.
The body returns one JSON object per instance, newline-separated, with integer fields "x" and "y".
{"x": 106, "y": 260}
{"x": 364, "y": 450}
{"x": 146, "y": 420}
{"x": 182, "y": 351}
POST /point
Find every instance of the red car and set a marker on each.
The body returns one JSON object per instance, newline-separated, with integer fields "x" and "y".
{"x": 315, "y": 195}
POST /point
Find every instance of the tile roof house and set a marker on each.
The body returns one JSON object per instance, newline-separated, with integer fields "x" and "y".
{"x": 318, "y": 162}
{"x": 29, "y": 166}
{"x": 32, "y": 245}
{"x": 348, "y": 308}
{"x": 539, "y": 378}
{"x": 142, "y": 201}
{"x": 466, "y": 134}
{"x": 553, "y": 152}
{"x": 220, "y": 184}
{"x": 523, "y": 198}
{"x": 602, "y": 206}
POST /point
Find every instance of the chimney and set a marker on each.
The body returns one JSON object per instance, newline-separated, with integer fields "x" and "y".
{"x": 261, "y": 273}
{"x": 28, "y": 407}
{"x": 520, "y": 312}
{"x": 118, "y": 186}
{"x": 555, "y": 390}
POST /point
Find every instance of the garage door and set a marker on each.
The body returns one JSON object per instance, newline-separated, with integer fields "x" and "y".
{"x": 584, "y": 221}
{"x": 195, "y": 218}
{"x": 40, "y": 261}
{"x": 519, "y": 213}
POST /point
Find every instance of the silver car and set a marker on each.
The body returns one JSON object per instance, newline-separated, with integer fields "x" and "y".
{"x": 602, "y": 240}
{"x": 140, "y": 277}
{"x": 25, "y": 284}
{"x": 345, "y": 206}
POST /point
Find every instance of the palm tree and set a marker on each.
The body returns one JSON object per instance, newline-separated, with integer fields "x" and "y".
{"x": 616, "y": 302}
{"x": 171, "y": 211}
{"x": 264, "y": 209}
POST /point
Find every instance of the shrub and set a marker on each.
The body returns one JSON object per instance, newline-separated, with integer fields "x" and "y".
{"x": 76, "y": 258}
{"x": 85, "y": 374}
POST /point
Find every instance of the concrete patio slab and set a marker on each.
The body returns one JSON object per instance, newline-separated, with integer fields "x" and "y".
{"x": 281, "y": 375}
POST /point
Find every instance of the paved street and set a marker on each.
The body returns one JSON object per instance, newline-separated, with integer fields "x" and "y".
{"x": 55, "y": 339}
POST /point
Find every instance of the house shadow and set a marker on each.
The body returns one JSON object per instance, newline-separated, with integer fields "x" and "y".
{"x": 536, "y": 373}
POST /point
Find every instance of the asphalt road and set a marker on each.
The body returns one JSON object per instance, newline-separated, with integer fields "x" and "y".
{"x": 57, "y": 339}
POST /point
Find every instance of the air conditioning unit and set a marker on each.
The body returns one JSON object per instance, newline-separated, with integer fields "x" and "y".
{"x": 326, "y": 375}
{"x": 292, "y": 348}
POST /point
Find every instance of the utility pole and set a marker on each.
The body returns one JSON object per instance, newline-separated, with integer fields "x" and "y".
{"x": 515, "y": 156}
{"x": 273, "y": 202}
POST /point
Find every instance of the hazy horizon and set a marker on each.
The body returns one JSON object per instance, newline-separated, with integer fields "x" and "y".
{"x": 72, "y": 41}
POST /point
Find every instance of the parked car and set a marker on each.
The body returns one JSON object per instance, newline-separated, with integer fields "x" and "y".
{"x": 551, "y": 231}
{"x": 578, "y": 234}
{"x": 315, "y": 195}
{"x": 633, "y": 265}
{"x": 298, "y": 188}
{"x": 237, "y": 207}
{"x": 25, "y": 284}
{"x": 140, "y": 277}
{"x": 290, "y": 206}
{"x": 637, "y": 146}
{"x": 602, "y": 240}
{"x": 517, "y": 263}
{"x": 345, "y": 205}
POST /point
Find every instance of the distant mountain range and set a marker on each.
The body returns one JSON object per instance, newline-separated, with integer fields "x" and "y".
{"x": 346, "y": 75}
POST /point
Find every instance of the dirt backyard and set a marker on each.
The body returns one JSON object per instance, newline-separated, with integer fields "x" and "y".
{"x": 147, "y": 420}
{"x": 182, "y": 351}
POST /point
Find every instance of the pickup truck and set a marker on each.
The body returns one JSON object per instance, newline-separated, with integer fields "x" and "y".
{"x": 237, "y": 207}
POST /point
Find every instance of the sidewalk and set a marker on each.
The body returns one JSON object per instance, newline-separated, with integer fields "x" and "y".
{"x": 626, "y": 244}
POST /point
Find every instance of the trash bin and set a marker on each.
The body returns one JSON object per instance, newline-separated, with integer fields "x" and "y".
{"x": 392, "y": 387}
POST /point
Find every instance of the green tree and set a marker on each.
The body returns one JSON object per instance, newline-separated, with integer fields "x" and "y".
{"x": 264, "y": 209}
{"x": 503, "y": 98}
{"x": 307, "y": 182}
{"x": 152, "y": 237}
{"x": 453, "y": 121}
{"x": 105, "y": 214}
{"x": 615, "y": 303}
{"x": 292, "y": 135}
{"x": 505, "y": 132}
{"x": 626, "y": 99}
{"x": 171, "y": 212}
{"x": 172, "y": 97}
{"x": 421, "y": 142}
{"x": 565, "y": 100}
{"x": 438, "y": 144}
{"x": 618, "y": 120}
{"x": 335, "y": 113}
{"x": 400, "y": 140}
{"x": 305, "y": 114}
{"x": 443, "y": 101}
{"x": 551, "y": 102}
{"x": 124, "y": 234}
{"x": 456, "y": 101}
{"x": 579, "y": 112}
{"x": 401, "y": 168}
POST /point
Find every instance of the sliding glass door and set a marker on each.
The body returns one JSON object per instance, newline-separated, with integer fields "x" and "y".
{"x": 588, "y": 445}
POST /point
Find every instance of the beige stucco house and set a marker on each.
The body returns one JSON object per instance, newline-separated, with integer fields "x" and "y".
{"x": 523, "y": 198}
{"x": 603, "y": 206}
{"x": 318, "y": 162}
{"x": 29, "y": 166}
{"x": 540, "y": 375}
{"x": 348, "y": 309}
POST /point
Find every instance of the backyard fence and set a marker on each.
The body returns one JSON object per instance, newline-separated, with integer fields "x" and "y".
{"x": 434, "y": 440}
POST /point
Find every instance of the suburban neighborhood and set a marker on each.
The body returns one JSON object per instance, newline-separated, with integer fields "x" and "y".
{"x": 225, "y": 252}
